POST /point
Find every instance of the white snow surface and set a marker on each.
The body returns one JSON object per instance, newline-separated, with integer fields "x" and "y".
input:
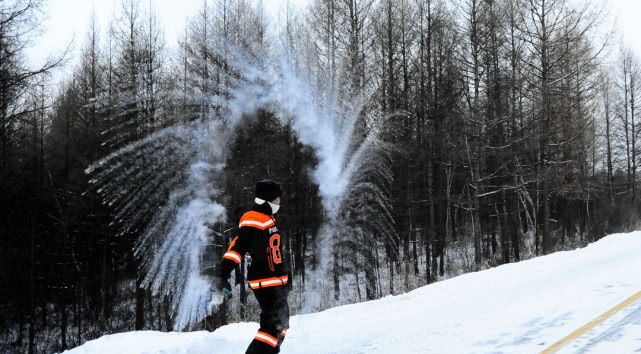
{"x": 514, "y": 308}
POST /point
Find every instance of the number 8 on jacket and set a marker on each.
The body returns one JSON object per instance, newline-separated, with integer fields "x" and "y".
{"x": 274, "y": 243}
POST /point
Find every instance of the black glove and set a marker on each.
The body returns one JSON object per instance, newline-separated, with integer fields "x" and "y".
{"x": 222, "y": 286}
{"x": 289, "y": 285}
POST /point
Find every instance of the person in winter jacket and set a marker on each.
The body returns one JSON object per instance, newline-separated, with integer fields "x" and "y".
{"x": 267, "y": 275}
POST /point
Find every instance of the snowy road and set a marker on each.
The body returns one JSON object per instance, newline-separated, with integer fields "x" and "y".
{"x": 622, "y": 331}
{"x": 521, "y": 307}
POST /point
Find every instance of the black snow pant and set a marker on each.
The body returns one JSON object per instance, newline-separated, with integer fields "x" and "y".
{"x": 274, "y": 320}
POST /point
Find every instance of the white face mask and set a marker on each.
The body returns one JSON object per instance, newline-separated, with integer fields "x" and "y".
{"x": 274, "y": 207}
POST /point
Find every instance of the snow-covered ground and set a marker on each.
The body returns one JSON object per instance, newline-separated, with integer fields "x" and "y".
{"x": 515, "y": 308}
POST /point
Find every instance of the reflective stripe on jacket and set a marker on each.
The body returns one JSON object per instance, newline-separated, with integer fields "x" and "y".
{"x": 257, "y": 235}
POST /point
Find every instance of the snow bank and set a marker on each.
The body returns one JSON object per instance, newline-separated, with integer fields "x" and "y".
{"x": 515, "y": 308}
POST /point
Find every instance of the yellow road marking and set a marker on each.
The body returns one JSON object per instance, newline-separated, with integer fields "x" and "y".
{"x": 558, "y": 345}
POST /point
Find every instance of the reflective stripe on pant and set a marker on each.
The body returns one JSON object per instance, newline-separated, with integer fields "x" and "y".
{"x": 274, "y": 320}
{"x": 266, "y": 338}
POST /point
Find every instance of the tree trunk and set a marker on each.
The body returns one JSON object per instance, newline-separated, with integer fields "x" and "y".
{"x": 370, "y": 283}
{"x": 610, "y": 176}
{"x": 505, "y": 229}
{"x": 547, "y": 237}
{"x": 634, "y": 139}
{"x": 140, "y": 304}
{"x": 358, "y": 286}
{"x": 626, "y": 127}
{"x": 104, "y": 283}
{"x": 21, "y": 321}
{"x": 390, "y": 263}
{"x": 414, "y": 252}
{"x": 337, "y": 280}
{"x": 63, "y": 324}
{"x": 432, "y": 226}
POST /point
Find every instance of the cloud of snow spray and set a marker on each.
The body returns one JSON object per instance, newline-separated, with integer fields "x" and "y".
{"x": 167, "y": 181}
{"x": 320, "y": 122}
{"x": 182, "y": 247}
{"x": 182, "y": 164}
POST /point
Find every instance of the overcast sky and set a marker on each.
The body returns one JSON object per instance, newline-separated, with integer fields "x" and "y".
{"x": 628, "y": 16}
{"x": 67, "y": 21}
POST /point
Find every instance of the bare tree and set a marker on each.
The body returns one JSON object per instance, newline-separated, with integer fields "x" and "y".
{"x": 606, "y": 90}
{"x": 555, "y": 31}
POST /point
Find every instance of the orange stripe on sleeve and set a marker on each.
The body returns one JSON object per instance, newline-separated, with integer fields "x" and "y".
{"x": 232, "y": 255}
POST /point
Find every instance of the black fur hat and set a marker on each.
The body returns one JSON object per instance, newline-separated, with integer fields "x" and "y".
{"x": 268, "y": 190}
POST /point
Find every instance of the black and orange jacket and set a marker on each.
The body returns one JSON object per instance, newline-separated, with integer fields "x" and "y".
{"x": 258, "y": 236}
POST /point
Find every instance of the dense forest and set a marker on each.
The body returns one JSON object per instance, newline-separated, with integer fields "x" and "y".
{"x": 508, "y": 128}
